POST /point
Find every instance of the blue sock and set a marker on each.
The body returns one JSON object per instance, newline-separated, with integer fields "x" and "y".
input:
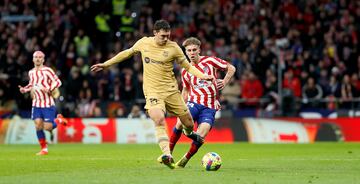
{"x": 54, "y": 124}
{"x": 40, "y": 134}
{"x": 177, "y": 131}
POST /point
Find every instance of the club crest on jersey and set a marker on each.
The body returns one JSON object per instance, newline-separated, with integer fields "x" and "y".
{"x": 206, "y": 69}
{"x": 165, "y": 53}
{"x": 153, "y": 101}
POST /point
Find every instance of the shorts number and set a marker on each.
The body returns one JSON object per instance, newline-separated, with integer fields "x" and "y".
{"x": 190, "y": 104}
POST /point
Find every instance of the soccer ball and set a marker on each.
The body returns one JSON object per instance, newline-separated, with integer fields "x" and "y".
{"x": 211, "y": 161}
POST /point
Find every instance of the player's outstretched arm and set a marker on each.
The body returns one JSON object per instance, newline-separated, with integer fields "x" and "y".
{"x": 25, "y": 89}
{"x": 121, "y": 56}
{"x": 194, "y": 71}
{"x": 28, "y": 87}
{"x": 98, "y": 67}
{"x": 22, "y": 89}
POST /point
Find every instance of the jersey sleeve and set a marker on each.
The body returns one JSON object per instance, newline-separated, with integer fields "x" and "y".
{"x": 218, "y": 63}
{"x": 180, "y": 58}
{"x": 184, "y": 80}
{"x": 55, "y": 81}
{"x": 121, "y": 56}
{"x": 136, "y": 47}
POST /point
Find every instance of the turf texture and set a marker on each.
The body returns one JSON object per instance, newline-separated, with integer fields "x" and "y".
{"x": 328, "y": 163}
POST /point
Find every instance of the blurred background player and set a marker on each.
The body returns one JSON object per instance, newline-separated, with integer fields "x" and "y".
{"x": 201, "y": 96}
{"x": 43, "y": 86}
{"x": 160, "y": 87}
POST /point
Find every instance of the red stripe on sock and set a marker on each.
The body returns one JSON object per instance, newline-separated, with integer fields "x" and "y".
{"x": 42, "y": 143}
{"x": 193, "y": 149}
{"x": 173, "y": 140}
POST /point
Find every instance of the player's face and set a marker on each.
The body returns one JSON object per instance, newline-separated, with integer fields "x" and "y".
{"x": 161, "y": 36}
{"x": 38, "y": 60}
{"x": 193, "y": 52}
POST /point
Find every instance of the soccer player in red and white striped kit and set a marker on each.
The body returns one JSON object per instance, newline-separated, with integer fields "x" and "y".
{"x": 43, "y": 87}
{"x": 201, "y": 95}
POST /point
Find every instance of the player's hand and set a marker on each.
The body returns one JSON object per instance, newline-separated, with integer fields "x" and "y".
{"x": 55, "y": 93}
{"x": 22, "y": 89}
{"x": 220, "y": 84}
{"x": 97, "y": 67}
{"x": 208, "y": 77}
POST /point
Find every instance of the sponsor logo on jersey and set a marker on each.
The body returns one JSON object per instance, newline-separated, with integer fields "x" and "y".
{"x": 202, "y": 84}
{"x": 148, "y": 60}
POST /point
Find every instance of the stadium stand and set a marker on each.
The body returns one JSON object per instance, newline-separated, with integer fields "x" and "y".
{"x": 279, "y": 44}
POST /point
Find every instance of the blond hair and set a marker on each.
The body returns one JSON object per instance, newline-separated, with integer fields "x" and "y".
{"x": 191, "y": 41}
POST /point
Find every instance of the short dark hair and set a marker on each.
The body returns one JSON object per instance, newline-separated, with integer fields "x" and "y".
{"x": 161, "y": 24}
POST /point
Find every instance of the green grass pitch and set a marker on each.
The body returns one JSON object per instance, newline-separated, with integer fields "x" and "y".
{"x": 328, "y": 163}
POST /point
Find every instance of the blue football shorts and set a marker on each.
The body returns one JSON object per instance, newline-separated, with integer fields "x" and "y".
{"x": 47, "y": 114}
{"x": 201, "y": 114}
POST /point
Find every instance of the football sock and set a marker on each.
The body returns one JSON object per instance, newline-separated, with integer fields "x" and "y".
{"x": 163, "y": 139}
{"x": 175, "y": 136}
{"x": 54, "y": 124}
{"x": 41, "y": 137}
{"x": 193, "y": 149}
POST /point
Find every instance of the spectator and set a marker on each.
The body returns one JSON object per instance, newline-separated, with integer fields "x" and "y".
{"x": 252, "y": 90}
{"x": 348, "y": 92}
{"x": 312, "y": 92}
{"x": 292, "y": 83}
{"x": 136, "y": 112}
{"x": 230, "y": 95}
{"x": 82, "y": 45}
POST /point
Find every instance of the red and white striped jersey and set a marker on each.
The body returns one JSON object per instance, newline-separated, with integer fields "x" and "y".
{"x": 43, "y": 78}
{"x": 201, "y": 91}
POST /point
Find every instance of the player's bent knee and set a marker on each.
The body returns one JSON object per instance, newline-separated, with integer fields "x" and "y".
{"x": 48, "y": 128}
{"x": 159, "y": 121}
{"x": 39, "y": 125}
{"x": 187, "y": 120}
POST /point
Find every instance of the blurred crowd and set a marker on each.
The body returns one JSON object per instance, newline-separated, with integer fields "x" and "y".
{"x": 312, "y": 45}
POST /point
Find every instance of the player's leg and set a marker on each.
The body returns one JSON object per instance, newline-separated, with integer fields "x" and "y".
{"x": 202, "y": 130}
{"x": 50, "y": 126}
{"x": 176, "y": 105}
{"x": 61, "y": 120}
{"x": 175, "y": 135}
{"x": 49, "y": 121}
{"x": 158, "y": 117}
{"x": 39, "y": 126}
{"x": 206, "y": 117}
{"x": 36, "y": 115}
{"x": 156, "y": 110}
{"x": 186, "y": 121}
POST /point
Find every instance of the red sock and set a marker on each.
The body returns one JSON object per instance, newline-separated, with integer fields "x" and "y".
{"x": 43, "y": 144}
{"x": 175, "y": 136}
{"x": 193, "y": 149}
